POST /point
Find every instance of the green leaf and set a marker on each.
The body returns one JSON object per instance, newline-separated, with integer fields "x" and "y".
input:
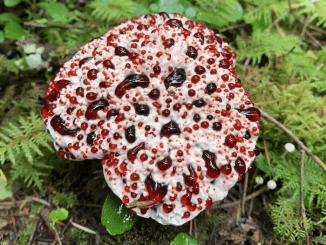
{"x": 235, "y": 12}
{"x": 116, "y": 218}
{"x": 12, "y": 3}
{"x": 2, "y": 36}
{"x": 58, "y": 214}
{"x": 9, "y": 17}
{"x": 13, "y": 30}
{"x": 58, "y": 12}
{"x": 5, "y": 191}
{"x": 262, "y": 164}
{"x": 183, "y": 239}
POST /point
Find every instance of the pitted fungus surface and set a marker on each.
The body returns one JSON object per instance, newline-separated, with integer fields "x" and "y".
{"x": 157, "y": 99}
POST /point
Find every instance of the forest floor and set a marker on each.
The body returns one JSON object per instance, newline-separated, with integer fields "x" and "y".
{"x": 224, "y": 223}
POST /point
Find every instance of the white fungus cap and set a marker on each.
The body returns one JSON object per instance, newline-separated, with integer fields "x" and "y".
{"x": 289, "y": 147}
{"x": 158, "y": 100}
{"x": 259, "y": 180}
{"x": 271, "y": 184}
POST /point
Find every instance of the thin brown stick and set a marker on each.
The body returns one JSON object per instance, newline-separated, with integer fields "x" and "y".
{"x": 31, "y": 237}
{"x": 267, "y": 153}
{"x": 303, "y": 209}
{"x": 251, "y": 206}
{"x": 295, "y": 139}
{"x": 305, "y": 24}
{"x": 243, "y": 202}
{"x": 58, "y": 26}
{"x": 306, "y": 31}
{"x": 249, "y": 197}
{"x": 195, "y": 225}
{"x": 190, "y": 229}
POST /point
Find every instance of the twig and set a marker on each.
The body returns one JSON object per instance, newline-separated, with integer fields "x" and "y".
{"x": 83, "y": 228}
{"x": 244, "y": 194}
{"x": 253, "y": 195}
{"x": 251, "y": 206}
{"x": 65, "y": 228}
{"x": 190, "y": 229}
{"x": 195, "y": 225}
{"x": 31, "y": 238}
{"x": 296, "y": 140}
{"x": 303, "y": 209}
{"x": 306, "y": 31}
{"x": 59, "y": 26}
{"x": 266, "y": 153}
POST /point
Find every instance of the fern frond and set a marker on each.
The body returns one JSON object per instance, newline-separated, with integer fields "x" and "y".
{"x": 26, "y": 137}
{"x": 112, "y": 10}
{"x": 317, "y": 11}
{"x": 264, "y": 44}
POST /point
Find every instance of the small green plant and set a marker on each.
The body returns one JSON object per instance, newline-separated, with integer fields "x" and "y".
{"x": 64, "y": 200}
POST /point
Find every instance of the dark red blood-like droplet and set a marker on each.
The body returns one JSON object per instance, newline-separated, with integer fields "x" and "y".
{"x": 230, "y": 140}
{"x": 247, "y": 135}
{"x": 168, "y": 43}
{"x": 132, "y": 153}
{"x": 191, "y": 179}
{"x": 196, "y": 118}
{"x": 83, "y": 61}
{"x": 174, "y": 23}
{"x": 237, "y": 125}
{"x": 256, "y": 151}
{"x": 192, "y": 52}
{"x": 61, "y": 84}
{"x": 217, "y": 39}
{"x": 179, "y": 187}
{"x": 130, "y": 82}
{"x": 104, "y": 85}
{"x": 209, "y": 202}
{"x": 164, "y": 164}
{"x": 186, "y": 215}
{"x": 134, "y": 177}
{"x": 91, "y": 96}
{"x": 108, "y": 64}
{"x": 252, "y": 113}
{"x": 185, "y": 199}
{"x": 175, "y": 78}
{"x": 199, "y": 103}
{"x": 217, "y": 126}
{"x": 224, "y": 64}
{"x": 167, "y": 208}
{"x": 240, "y": 166}
{"x": 111, "y": 113}
{"x": 191, "y": 207}
{"x": 164, "y": 15}
{"x": 195, "y": 189}
{"x": 141, "y": 109}
{"x": 156, "y": 191}
{"x": 133, "y": 55}
{"x": 92, "y": 74}
{"x": 59, "y": 126}
{"x": 130, "y": 134}
{"x": 226, "y": 169}
{"x": 169, "y": 129}
{"x": 91, "y": 112}
{"x": 200, "y": 37}
{"x": 154, "y": 94}
{"x": 90, "y": 138}
{"x": 200, "y": 70}
{"x": 157, "y": 70}
{"x": 210, "y": 88}
{"x": 250, "y": 168}
{"x": 210, "y": 163}
{"x": 121, "y": 51}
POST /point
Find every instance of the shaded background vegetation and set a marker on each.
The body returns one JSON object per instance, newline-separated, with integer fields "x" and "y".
{"x": 281, "y": 61}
